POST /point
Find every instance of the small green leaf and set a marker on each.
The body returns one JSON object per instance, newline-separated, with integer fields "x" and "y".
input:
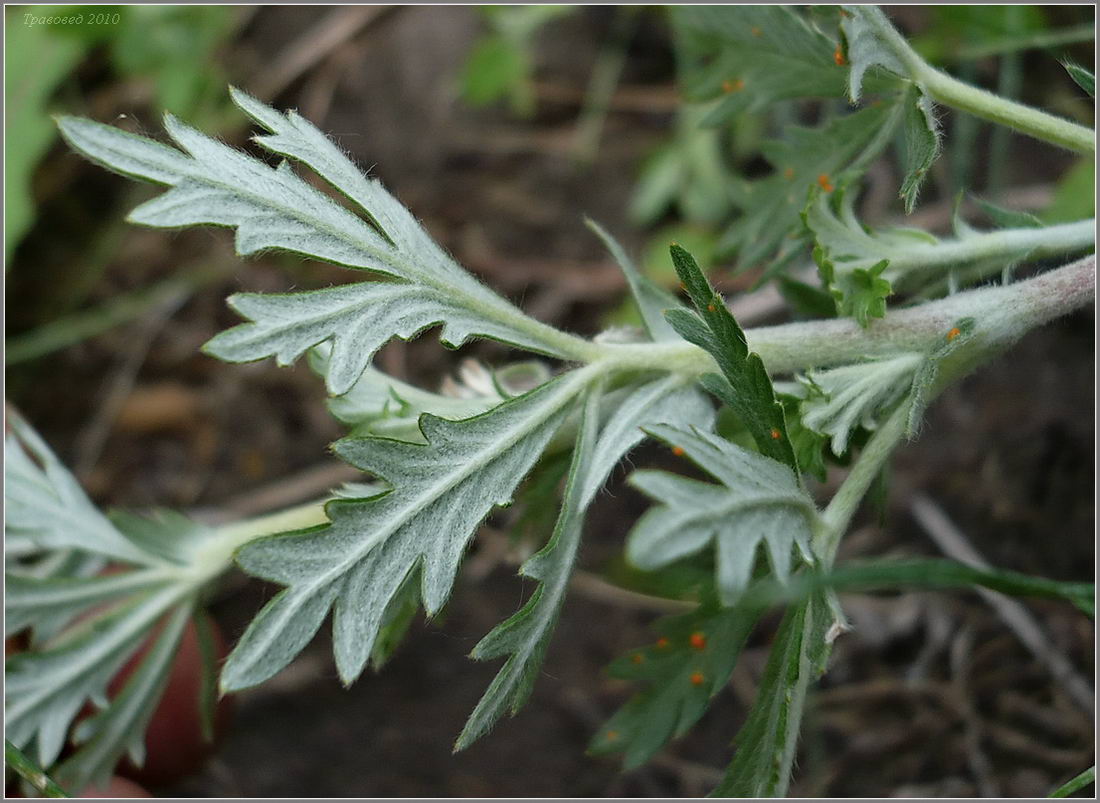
{"x": 840, "y": 400}
{"x": 688, "y": 665}
{"x": 929, "y": 573}
{"x": 36, "y": 59}
{"x": 767, "y": 743}
{"x": 1076, "y": 784}
{"x": 861, "y": 293}
{"x": 922, "y": 142}
{"x": 498, "y": 68}
{"x": 925, "y": 378}
{"x": 1008, "y": 218}
{"x": 745, "y": 386}
{"x": 808, "y": 445}
{"x": 767, "y": 231}
{"x": 525, "y": 636}
{"x": 760, "y": 501}
{"x": 1081, "y": 76}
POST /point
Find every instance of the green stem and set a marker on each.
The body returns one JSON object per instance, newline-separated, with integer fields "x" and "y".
{"x": 219, "y": 555}
{"x": 847, "y": 499}
{"x": 952, "y": 92}
{"x": 29, "y": 771}
{"x": 1005, "y": 244}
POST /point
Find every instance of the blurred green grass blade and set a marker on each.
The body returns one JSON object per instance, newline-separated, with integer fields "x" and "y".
{"x": 1028, "y": 41}
{"x": 25, "y": 767}
{"x": 36, "y": 59}
{"x": 1074, "y": 196}
{"x": 1076, "y": 784}
{"x": 80, "y": 326}
{"x": 937, "y": 573}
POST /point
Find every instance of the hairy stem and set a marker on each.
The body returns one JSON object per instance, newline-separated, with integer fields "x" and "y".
{"x": 954, "y": 93}
{"x": 1002, "y": 313}
{"x": 1006, "y": 244}
{"x": 846, "y": 501}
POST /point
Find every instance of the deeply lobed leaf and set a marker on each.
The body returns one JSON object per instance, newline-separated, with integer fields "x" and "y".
{"x": 441, "y": 490}
{"x": 684, "y": 669}
{"x": 753, "y": 56}
{"x": 272, "y": 208}
{"x": 525, "y": 636}
{"x": 760, "y": 501}
{"x": 745, "y": 385}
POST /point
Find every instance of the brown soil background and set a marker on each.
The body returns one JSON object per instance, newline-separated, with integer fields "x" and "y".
{"x": 931, "y": 695}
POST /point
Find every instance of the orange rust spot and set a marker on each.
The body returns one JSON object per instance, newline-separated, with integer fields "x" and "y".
{"x": 698, "y": 640}
{"x": 756, "y": 31}
{"x": 678, "y": 451}
{"x": 697, "y": 678}
{"x": 838, "y": 57}
{"x": 776, "y": 434}
{"x": 662, "y": 642}
{"x": 733, "y": 86}
{"x": 824, "y": 182}
{"x": 711, "y": 307}
{"x": 955, "y": 332}
{"x": 611, "y": 736}
{"x": 788, "y": 173}
{"x": 636, "y": 658}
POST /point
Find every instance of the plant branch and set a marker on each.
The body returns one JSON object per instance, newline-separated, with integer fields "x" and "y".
{"x": 959, "y": 95}
{"x": 1002, "y": 313}
{"x": 1006, "y": 244}
{"x": 846, "y": 501}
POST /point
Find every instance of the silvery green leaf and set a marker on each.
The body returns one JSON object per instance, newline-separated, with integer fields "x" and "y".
{"x": 211, "y": 183}
{"x": 32, "y": 602}
{"x": 866, "y": 46}
{"x": 441, "y": 490}
{"x": 525, "y": 636}
{"x": 45, "y": 508}
{"x": 84, "y": 627}
{"x": 357, "y": 319}
{"x": 840, "y": 400}
{"x": 120, "y": 728}
{"x": 759, "y": 500}
{"x": 378, "y": 404}
{"x": 922, "y": 142}
{"x": 44, "y": 690}
{"x": 768, "y": 741}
